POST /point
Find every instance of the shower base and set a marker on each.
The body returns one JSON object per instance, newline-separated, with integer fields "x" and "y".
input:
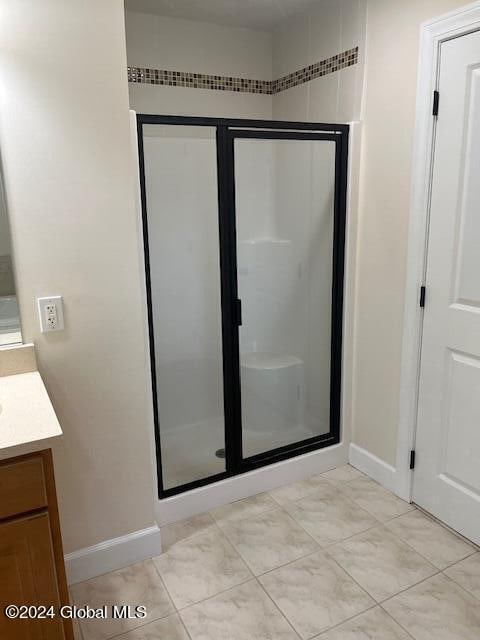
{"x": 188, "y": 452}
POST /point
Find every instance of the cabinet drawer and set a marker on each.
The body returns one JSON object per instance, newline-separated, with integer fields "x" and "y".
{"x": 22, "y": 486}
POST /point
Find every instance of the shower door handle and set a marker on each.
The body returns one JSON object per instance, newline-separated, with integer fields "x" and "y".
{"x": 238, "y": 312}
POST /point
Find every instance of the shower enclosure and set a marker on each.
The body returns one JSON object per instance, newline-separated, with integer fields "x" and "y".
{"x": 244, "y": 230}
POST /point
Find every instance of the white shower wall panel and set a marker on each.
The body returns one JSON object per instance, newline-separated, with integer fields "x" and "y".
{"x": 160, "y": 42}
{"x": 198, "y": 47}
{"x": 285, "y": 272}
{"x": 304, "y": 206}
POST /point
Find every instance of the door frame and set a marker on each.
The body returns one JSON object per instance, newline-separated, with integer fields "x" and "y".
{"x": 227, "y": 130}
{"x": 340, "y": 139}
{"x": 432, "y": 34}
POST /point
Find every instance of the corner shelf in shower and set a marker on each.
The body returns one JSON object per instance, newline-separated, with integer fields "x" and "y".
{"x": 267, "y": 241}
{"x": 267, "y": 360}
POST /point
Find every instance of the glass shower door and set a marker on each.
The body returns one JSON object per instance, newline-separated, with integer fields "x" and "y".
{"x": 285, "y": 218}
{"x": 244, "y": 229}
{"x": 183, "y": 273}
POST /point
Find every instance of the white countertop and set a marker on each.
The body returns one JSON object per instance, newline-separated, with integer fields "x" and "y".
{"x": 27, "y": 418}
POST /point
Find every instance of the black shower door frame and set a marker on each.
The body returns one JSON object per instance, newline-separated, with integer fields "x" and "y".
{"x": 227, "y": 131}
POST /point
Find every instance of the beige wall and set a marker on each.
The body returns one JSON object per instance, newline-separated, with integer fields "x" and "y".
{"x": 389, "y": 117}
{"x": 64, "y": 137}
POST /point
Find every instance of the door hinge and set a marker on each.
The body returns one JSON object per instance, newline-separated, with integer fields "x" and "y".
{"x": 423, "y": 293}
{"x": 412, "y": 459}
{"x": 436, "y": 101}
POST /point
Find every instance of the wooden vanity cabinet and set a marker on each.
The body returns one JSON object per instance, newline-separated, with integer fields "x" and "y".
{"x": 32, "y": 570}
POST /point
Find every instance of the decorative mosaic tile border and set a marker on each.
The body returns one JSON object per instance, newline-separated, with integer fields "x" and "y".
{"x": 141, "y": 75}
{"x": 330, "y": 65}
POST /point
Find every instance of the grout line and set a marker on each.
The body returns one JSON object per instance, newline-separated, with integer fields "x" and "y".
{"x": 459, "y": 585}
{"x": 280, "y": 507}
{"x": 339, "y": 624}
{"x": 375, "y": 603}
{"x": 247, "y": 567}
{"x": 214, "y": 595}
{"x": 398, "y": 539}
{"x": 421, "y": 554}
{"x": 195, "y": 533}
{"x": 284, "y": 616}
{"x": 333, "y": 544}
{"x": 434, "y": 575}
{"x": 431, "y": 517}
{"x": 425, "y": 580}
{"x": 412, "y": 507}
{"x": 452, "y": 564}
{"x": 250, "y": 578}
{"x": 340, "y": 540}
{"x": 165, "y": 586}
{"x": 380, "y": 604}
{"x": 364, "y": 588}
{"x": 106, "y": 573}
{"x": 142, "y": 626}
{"x": 380, "y": 524}
{"x": 320, "y": 549}
{"x": 184, "y": 626}
{"x": 324, "y": 550}
{"x": 285, "y": 563}
{"x": 330, "y": 483}
{"x": 397, "y": 622}
{"x": 239, "y": 520}
{"x": 76, "y": 624}
{"x": 352, "y": 578}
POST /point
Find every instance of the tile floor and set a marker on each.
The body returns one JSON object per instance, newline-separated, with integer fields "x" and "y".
{"x": 333, "y": 557}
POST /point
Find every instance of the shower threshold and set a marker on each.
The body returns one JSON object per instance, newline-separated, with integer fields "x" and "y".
{"x": 200, "y": 459}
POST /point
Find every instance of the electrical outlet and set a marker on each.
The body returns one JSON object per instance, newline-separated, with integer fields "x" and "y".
{"x": 50, "y": 311}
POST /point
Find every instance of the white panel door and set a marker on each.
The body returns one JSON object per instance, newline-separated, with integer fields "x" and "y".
{"x": 447, "y": 473}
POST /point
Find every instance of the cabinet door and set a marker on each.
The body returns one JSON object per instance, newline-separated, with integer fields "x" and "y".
{"x": 27, "y": 577}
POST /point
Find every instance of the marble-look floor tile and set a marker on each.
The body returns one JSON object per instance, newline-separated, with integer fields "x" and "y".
{"x": 243, "y": 508}
{"x": 200, "y": 567}
{"x": 242, "y": 613}
{"x": 77, "y": 632}
{"x": 343, "y": 474}
{"x": 170, "y": 628}
{"x": 375, "y": 499}
{"x": 315, "y": 594}
{"x": 467, "y": 574}
{"x": 330, "y": 520}
{"x": 430, "y": 539}
{"x": 302, "y": 488}
{"x": 374, "y": 624}
{"x": 381, "y": 563}
{"x": 138, "y": 584}
{"x": 269, "y": 540}
{"x": 185, "y": 529}
{"x": 436, "y": 609}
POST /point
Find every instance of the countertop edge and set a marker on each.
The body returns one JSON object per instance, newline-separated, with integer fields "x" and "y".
{"x": 28, "y": 447}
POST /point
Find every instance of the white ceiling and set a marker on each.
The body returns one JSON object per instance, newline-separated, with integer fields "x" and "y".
{"x": 253, "y": 14}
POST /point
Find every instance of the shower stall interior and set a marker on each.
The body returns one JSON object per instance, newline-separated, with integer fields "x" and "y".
{"x": 244, "y": 232}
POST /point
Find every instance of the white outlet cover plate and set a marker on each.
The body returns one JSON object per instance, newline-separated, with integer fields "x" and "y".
{"x": 42, "y": 304}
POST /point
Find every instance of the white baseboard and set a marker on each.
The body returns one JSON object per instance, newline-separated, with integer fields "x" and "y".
{"x": 248, "y": 484}
{"x": 373, "y": 467}
{"x": 112, "y": 554}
